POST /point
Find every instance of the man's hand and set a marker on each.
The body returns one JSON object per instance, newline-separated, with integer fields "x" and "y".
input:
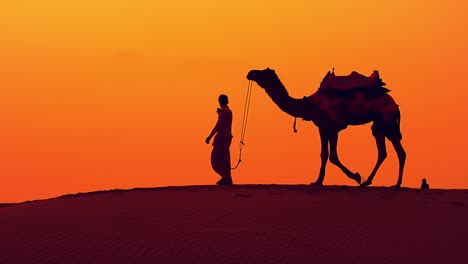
{"x": 207, "y": 140}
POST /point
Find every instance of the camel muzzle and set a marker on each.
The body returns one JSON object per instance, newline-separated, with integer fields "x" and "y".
{"x": 251, "y": 75}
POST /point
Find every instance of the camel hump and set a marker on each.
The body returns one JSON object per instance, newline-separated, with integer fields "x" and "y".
{"x": 354, "y": 80}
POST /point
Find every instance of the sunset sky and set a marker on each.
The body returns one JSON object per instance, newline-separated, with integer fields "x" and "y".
{"x": 104, "y": 94}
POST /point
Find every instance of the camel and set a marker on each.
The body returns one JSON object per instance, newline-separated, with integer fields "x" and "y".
{"x": 333, "y": 110}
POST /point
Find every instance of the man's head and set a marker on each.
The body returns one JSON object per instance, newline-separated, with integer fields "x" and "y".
{"x": 223, "y": 100}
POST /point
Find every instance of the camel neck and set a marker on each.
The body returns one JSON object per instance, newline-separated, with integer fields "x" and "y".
{"x": 281, "y": 97}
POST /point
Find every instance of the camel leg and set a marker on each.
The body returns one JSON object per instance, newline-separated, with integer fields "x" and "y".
{"x": 382, "y": 153}
{"x": 333, "y": 137}
{"x": 401, "y": 159}
{"x": 323, "y": 156}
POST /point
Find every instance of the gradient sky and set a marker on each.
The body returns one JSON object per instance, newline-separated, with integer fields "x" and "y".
{"x": 120, "y": 94}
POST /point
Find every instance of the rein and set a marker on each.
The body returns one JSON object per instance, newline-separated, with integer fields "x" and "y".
{"x": 244, "y": 122}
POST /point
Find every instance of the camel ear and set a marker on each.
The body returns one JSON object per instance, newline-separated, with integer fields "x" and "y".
{"x": 268, "y": 68}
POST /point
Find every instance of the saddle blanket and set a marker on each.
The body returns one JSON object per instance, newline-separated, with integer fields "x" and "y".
{"x": 352, "y": 81}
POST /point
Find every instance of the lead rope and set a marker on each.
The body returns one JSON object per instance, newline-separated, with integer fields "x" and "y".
{"x": 244, "y": 122}
{"x": 294, "y": 125}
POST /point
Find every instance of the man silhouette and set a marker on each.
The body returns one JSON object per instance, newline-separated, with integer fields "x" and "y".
{"x": 424, "y": 184}
{"x": 220, "y": 155}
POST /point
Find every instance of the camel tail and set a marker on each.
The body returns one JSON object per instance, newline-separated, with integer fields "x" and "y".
{"x": 397, "y": 122}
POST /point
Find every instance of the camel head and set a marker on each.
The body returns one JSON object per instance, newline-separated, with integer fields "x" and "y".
{"x": 262, "y": 77}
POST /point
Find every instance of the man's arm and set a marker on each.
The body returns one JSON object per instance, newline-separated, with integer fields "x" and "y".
{"x": 216, "y": 127}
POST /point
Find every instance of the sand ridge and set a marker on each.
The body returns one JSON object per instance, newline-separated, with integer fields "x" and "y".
{"x": 239, "y": 224}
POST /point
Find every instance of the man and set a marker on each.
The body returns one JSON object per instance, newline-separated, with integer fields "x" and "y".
{"x": 220, "y": 155}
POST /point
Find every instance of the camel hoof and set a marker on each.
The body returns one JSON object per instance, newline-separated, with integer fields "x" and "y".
{"x": 396, "y": 186}
{"x": 366, "y": 183}
{"x": 316, "y": 183}
{"x": 357, "y": 177}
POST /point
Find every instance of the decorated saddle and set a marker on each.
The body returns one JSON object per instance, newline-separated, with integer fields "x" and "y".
{"x": 355, "y": 80}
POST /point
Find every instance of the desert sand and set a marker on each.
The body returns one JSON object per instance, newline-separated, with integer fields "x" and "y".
{"x": 239, "y": 224}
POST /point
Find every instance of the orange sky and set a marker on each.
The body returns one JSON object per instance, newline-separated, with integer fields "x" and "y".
{"x": 121, "y": 94}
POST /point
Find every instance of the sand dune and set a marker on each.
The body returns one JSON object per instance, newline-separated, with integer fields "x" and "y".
{"x": 240, "y": 224}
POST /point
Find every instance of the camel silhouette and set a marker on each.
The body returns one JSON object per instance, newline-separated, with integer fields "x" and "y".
{"x": 357, "y": 101}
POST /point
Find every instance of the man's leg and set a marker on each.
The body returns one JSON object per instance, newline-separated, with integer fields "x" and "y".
{"x": 215, "y": 160}
{"x": 221, "y": 160}
{"x": 226, "y": 161}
